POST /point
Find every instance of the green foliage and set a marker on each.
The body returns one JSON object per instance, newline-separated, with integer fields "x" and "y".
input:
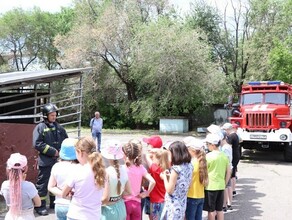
{"x": 280, "y": 61}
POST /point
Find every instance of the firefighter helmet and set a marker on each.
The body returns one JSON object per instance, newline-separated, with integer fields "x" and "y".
{"x": 49, "y": 108}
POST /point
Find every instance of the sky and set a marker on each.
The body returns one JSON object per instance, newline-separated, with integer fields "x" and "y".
{"x": 55, "y": 5}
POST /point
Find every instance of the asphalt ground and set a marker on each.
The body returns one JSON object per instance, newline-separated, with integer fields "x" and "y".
{"x": 264, "y": 185}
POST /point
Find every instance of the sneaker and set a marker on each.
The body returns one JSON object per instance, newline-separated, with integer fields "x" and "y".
{"x": 224, "y": 209}
{"x": 42, "y": 212}
{"x": 229, "y": 207}
{"x": 234, "y": 193}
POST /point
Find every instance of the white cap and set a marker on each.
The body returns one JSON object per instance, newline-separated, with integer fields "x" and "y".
{"x": 227, "y": 126}
{"x": 193, "y": 143}
{"x": 212, "y": 139}
{"x": 215, "y": 129}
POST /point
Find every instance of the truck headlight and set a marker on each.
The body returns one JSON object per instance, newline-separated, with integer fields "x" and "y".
{"x": 283, "y": 124}
{"x": 283, "y": 137}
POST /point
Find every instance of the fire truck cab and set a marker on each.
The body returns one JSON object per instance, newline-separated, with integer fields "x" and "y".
{"x": 264, "y": 115}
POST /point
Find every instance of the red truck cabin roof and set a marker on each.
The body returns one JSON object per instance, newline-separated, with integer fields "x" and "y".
{"x": 265, "y": 86}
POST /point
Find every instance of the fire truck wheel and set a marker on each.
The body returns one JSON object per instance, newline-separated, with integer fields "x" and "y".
{"x": 288, "y": 153}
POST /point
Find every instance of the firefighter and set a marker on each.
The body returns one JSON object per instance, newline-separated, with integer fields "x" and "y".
{"x": 47, "y": 138}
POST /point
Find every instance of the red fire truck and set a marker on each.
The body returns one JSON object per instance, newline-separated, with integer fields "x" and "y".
{"x": 264, "y": 115}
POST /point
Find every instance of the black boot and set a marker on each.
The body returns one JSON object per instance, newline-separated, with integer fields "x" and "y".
{"x": 52, "y": 200}
{"x": 42, "y": 209}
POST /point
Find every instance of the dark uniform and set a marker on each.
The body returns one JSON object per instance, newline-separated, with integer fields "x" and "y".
{"x": 47, "y": 139}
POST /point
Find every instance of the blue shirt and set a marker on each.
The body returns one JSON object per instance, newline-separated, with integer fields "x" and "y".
{"x": 96, "y": 125}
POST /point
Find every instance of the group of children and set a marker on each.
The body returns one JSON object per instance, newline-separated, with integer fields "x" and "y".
{"x": 177, "y": 179}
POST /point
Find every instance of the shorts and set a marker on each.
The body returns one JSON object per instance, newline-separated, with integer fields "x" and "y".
{"x": 156, "y": 210}
{"x": 114, "y": 211}
{"x": 214, "y": 200}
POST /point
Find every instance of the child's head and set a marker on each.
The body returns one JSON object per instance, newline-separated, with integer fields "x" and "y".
{"x": 160, "y": 157}
{"x": 154, "y": 141}
{"x": 113, "y": 152}
{"x": 179, "y": 153}
{"x": 133, "y": 154}
{"x": 16, "y": 167}
{"x": 85, "y": 149}
{"x": 67, "y": 151}
{"x": 194, "y": 145}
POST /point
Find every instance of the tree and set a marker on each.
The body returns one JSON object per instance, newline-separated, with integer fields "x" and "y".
{"x": 159, "y": 66}
{"x": 27, "y": 38}
{"x": 229, "y": 36}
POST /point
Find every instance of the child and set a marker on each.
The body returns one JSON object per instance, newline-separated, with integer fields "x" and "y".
{"x": 21, "y": 196}
{"x": 114, "y": 207}
{"x": 227, "y": 149}
{"x": 177, "y": 182}
{"x": 196, "y": 195}
{"x": 87, "y": 182}
{"x": 157, "y": 160}
{"x": 59, "y": 174}
{"x": 136, "y": 172}
{"x": 219, "y": 174}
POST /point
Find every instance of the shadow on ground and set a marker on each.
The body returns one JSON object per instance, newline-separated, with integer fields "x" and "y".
{"x": 244, "y": 207}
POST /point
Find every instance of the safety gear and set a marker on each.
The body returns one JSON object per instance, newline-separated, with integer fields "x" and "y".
{"x": 49, "y": 108}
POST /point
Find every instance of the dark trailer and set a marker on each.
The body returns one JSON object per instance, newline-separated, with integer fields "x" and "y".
{"x": 22, "y": 95}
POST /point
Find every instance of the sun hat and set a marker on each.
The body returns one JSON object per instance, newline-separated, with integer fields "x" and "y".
{"x": 234, "y": 125}
{"x": 112, "y": 150}
{"x": 227, "y": 126}
{"x": 155, "y": 141}
{"x": 193, "y": 143}
{"x": 212, "y": 139}
{"x": 67, "y": 151}
{"x": 16, "y": 161}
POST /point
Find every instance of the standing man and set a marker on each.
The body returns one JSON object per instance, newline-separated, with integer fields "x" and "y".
{"x": 96, "y": 124}
{"x": 47, "y": 138}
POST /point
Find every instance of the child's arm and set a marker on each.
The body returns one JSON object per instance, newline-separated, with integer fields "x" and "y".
{"x": 150, "y": 187}
{"x": 148, "y": 157}
{"x": 66, "y": 192}
{"x": 52, "y": 186}
{"x": 37, "y": 201}
{"x": 169, "y": 180}
{"x": 127, "y": 190}
{"x": 105, "y": 195}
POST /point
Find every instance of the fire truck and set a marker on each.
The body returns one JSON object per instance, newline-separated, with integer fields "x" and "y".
{"x": 264, "y": 114}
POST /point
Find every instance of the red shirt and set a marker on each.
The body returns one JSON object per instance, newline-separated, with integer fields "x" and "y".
{"x": 158, "y": 192}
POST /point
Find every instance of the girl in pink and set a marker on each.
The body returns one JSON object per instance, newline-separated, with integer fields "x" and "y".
{"x": 21, "y": 196}
{"x": 87, "y": 182}
{"x": 136, "y": 172}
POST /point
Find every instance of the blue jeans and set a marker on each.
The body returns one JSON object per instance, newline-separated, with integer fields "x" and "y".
{"x": 97, "y": 136}
{"x": 194, "y": 209}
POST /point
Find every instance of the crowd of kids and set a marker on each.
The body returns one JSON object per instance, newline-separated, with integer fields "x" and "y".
{"x": 177, "y": 180}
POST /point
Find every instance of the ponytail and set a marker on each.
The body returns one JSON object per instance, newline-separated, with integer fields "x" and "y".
{"x": 15, "y": 179}
{"x": 203, "y": 171}
{"x": 98, "y": 168}
{"x": 117, "y": 168}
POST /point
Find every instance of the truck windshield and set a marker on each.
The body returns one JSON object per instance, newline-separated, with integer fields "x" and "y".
{"x": 276, "y": 98}
{"x": 249, "y": 99}
{"x": 270, "y": 98}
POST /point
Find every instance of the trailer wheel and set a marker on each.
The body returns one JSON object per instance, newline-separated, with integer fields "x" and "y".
{"x": 288, "y": 153}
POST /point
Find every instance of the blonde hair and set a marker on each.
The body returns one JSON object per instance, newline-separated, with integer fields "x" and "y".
{"x": 87, "y": 145}
{"x": 162, "y": 157}
{"x": 133, "y": 154}
{"x": 203, "y": 170}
